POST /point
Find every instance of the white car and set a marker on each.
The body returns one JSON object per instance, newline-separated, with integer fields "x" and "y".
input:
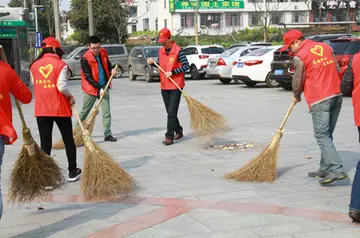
{"x": 255, "y": 67}
{"x": 220, "y": 67}
{"x": 198, "y": 56}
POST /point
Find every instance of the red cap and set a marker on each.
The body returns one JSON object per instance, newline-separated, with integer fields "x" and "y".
{"x": 164, "y": 34}
{"x": 289, "y": 37}
{"x": 51, "y": 42}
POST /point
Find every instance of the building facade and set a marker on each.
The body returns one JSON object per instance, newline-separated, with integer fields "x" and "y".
{"x": 215, "y": 17}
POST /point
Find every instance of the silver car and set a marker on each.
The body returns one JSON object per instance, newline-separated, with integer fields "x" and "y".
{"x": 219, "y": 67}
{"x": 117, "y": 55}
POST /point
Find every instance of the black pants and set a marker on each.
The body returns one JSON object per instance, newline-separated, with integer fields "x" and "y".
{"x": 172, "y": 100}
{"x": 45, "y": 125}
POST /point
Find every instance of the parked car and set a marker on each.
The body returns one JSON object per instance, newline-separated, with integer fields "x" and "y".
{"x": 137, "y": 62}
{"x": 220, "y": 66}
{"x": 282, "y": 68}
{"x": 198, "y": 55}
{"x": 246, "y": 43}
{"x": 255, "y": 67}
{"x": 343, "y": 50}
{"x": 117, "y": 55}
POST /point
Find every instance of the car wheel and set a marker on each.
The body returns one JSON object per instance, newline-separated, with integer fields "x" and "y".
{"x": 194, "y": 73}
{"x": 225, "y": 81}
{"x": 286, "y": 86}
{"x": 148, "y": 77}
{"x": 132, "y": 77}
{"x": 119, "y": 72}
{"x": 250, "y": 83}
{"x": 271, "y": 83}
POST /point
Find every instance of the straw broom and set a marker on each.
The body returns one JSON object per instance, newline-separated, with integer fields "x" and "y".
{"x": 88, "y": 123}
{"x": 204, "y": 121}
{"x": 102, "y": 176}
{"x": 34, "y": 173}
{"x": 263, "y": 167}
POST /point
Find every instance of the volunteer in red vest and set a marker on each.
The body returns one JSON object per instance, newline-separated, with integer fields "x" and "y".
{"x": 317, "y": 75}
{"x": 174, "y": 62}
{"x": 53, "y": 101}
{"x": 9, "y": 84}
{"x": 95, "y": 73}
{"x": 350, "y": 86}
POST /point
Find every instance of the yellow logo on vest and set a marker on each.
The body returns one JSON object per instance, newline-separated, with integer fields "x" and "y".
{"x": 317, "y": 50}
{"x": 171, "y": 59}
{"x": 46, "y": 71}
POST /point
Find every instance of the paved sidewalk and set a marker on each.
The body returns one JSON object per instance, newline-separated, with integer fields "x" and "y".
{"x": 182, "y": 192}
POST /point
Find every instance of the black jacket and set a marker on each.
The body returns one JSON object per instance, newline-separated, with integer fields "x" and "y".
{"x": 347, "y": 82}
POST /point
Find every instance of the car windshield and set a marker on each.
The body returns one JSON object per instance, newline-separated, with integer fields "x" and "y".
{"x": 259, "y": 52}
{"x": 229, "y": 52}
{"x": 345, "y": 47}
{"x": 151, "y": 52}
{"x": 71, "y": 54}
{"x": 212, "y": 50}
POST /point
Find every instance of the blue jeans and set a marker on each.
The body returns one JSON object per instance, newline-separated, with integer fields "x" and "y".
{"x": 2, "y": 150}
{"x": 325, "y": 115}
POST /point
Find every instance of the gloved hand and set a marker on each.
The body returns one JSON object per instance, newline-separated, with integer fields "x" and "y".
{"x": 101, "y": 92}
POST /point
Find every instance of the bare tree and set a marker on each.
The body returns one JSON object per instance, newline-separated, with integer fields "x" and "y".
{"x": 267, "y": 10}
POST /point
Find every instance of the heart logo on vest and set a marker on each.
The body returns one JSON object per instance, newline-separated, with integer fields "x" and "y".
{"x": 46, "y": 71}
{"x": 317, "y": 50}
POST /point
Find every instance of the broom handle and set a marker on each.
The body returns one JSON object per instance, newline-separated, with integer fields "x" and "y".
{"x": 106, "y": 87}
{"x": 169, "y": 78}
{"x": 3, "y": 58}
{"x": 287, "y": 116}
{"x": 78, "y": 118}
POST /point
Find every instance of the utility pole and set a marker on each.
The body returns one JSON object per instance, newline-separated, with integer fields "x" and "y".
{"x": 91, "y": 17}
{"x": 196, "y": 22}
{"x": 57, "y": 20}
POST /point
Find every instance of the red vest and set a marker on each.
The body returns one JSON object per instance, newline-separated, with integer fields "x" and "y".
{"x": 49, "y": 102}
{"x": 322, "y": 79}
{"x": 356, "y": 90}
{"x": 86, "y": 87}
{"x": 10, "y": 83}
{"x": 170, "y": 62}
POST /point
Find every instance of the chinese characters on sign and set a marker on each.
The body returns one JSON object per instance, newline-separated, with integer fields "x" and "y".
{"x": 38, "y": 39}
{"x": 333, "y": 4}
{"x": 203, "y": 4}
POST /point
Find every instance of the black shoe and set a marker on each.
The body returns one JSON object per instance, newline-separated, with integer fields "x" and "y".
{"x": 110, "y": 138}
{"x": 332, "y": 177}
{"x": 74, "y": 175}
{"x": 355, "y": 216}
{"x": 318, "y": 174}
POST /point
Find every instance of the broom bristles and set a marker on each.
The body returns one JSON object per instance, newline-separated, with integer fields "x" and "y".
{"x": 205, "y": 122}
{"x": 33, "y": 173}
{"x": 263, "y": 167}
{"x": 102, "y": 175}
{"x": 77, "y": 132}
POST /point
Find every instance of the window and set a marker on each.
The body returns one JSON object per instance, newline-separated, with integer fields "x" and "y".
{"x": 259, "y": 52}
{"x": 187, "y": 20}
{"x": 275, "y": 18}
{"x": 210, "y": 20}
{"x": 133, "y": 28}
{"x": 165, "y": 23}
{"x": 245, "y": 52}
{"x": 80, "y": 54}
{"x": 233, "y": 19}
{"x": 190, "y": 51}
{"x": 212, "y": 50}
{"x": 133, "y": 11}
{"x": 152, "y": 52}
{"x": 341, "y": 15}
{"x": 146, "y": 24}
{"x": 115, "y": 50}
{"x": 299, "y": 17}
{"x": 254, "y": 19}
{"x": 165, "y": 4}
{"x": 137, "y": 52}
{"x": 345, "y": 47}
{"x": 229, "y": 52}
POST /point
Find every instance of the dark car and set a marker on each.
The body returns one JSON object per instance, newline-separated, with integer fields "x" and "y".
{"x": 137, "y": 63}
{"x": 343, "y": 50}
{"x": 282, "y": 68}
